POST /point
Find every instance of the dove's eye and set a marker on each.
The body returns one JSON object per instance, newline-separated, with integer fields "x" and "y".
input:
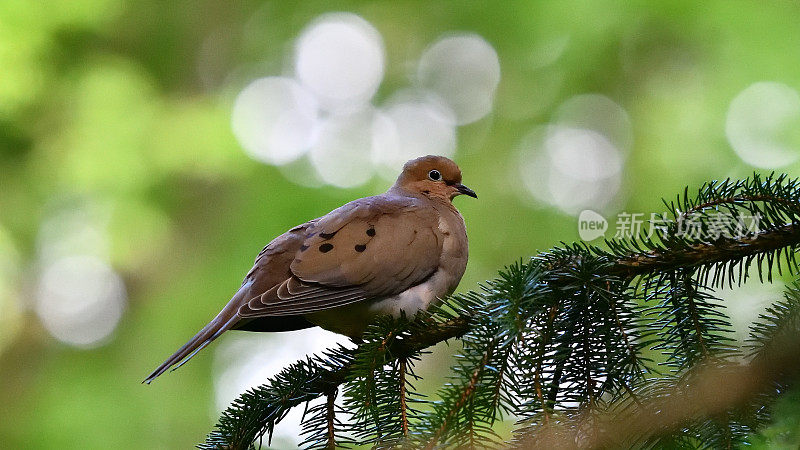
{"x": 434, "y": 175}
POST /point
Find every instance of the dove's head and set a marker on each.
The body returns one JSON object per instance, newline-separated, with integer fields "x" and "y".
{"x": 433, "y": 176}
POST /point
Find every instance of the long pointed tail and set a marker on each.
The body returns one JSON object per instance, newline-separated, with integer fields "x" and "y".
{"x": 226, "y": 319}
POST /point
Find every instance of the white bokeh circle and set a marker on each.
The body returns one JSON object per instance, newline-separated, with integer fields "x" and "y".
{"x": 464, "y": 70}
{"x": 763, "y": 125}
{"x": 342, "y": 153}
{"x": 274, "y": 119}
{"x": 420, "y": 124}
{"x": 80, "y": 300}
{"x": 340, "y": 58}
{"x": 569, "y": 168}
{"x": 598, "y": 113}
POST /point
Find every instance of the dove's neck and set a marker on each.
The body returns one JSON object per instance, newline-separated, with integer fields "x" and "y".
{"x": 401, "y": 191}
{"x": 432, "y": 197}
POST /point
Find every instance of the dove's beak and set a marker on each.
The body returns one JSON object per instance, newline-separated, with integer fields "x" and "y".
{"x": 465, "y": 190}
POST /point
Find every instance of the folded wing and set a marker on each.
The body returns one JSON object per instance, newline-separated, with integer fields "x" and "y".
{"x": 368, "y": 249}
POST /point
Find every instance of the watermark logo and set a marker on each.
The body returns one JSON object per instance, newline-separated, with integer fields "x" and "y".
{"x": 591, "y": 225}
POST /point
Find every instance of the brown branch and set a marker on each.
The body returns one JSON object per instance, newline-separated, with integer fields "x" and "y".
{"x": 402, "y": 382}
{"x": 621, "y": 329}
{"x": 498, "y": 385}
{"x": 587, "y": 366}
{"x": 434, "y": 333}
{"x": 466, "y": 395}
{"x": 537, "y": 379}
{"x": 734, "y": 199}
{"x": 695, "y": 316}
{"x": 330, "y": 416}
{"x": 723, "y": 250}
{"x": 538, "y": 386}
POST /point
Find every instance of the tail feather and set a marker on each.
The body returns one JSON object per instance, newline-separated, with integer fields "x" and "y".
{"x": 226, "y": 319}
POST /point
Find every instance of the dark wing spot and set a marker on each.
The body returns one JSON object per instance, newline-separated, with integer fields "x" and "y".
{"x": 371, "y": 232}
{"x": 327, "y": 236}
{"x": 360, "y": 248}
{"x": 303, "y": 247}
{"x": 325, "y": 248}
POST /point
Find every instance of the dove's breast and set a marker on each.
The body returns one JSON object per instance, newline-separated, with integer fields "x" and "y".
{"x": 443, "y": 281}
{"x": 455, "y": 248}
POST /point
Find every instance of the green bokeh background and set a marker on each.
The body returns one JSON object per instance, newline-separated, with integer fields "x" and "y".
{"x": 126, "y": 105}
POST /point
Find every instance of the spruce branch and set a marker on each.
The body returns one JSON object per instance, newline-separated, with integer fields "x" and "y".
{"x": 560, "y": 340}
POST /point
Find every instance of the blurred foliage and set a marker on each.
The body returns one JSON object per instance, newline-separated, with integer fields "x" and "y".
{"x": 785, "y": 432}
{"x": 126, "y": 106}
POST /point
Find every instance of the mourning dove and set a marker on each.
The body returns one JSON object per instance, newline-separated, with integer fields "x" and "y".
{"x": 396, "y": 252}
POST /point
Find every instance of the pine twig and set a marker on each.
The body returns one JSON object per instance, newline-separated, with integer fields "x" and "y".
{"x": 724, "y": 250}
{"x": 330, "y": 413}
{"x": 403, "y": 406}
{"x": 466, "y": 395}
